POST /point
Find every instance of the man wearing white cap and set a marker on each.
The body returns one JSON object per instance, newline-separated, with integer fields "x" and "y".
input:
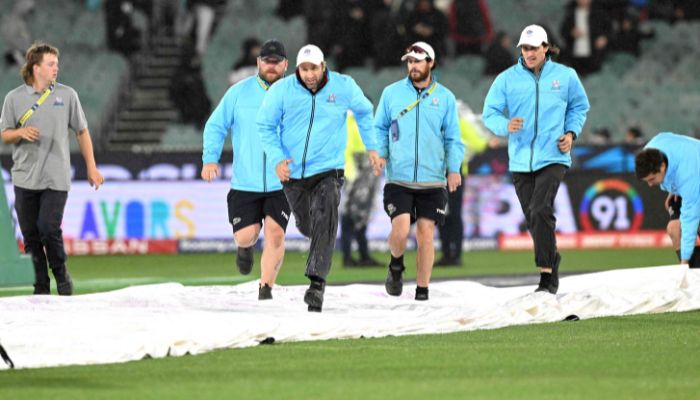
{"x": 541, "y": 106}
{"x": 302, "y": 126}
{"x": 419, "y": 142}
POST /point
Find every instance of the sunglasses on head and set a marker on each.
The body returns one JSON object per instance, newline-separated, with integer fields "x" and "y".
{"x": 416, "y": 50}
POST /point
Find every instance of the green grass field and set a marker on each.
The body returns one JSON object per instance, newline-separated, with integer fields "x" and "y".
{"x": 646, "y": 356}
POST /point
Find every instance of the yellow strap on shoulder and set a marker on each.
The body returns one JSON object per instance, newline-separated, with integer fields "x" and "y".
{"x": 36, "y": 105}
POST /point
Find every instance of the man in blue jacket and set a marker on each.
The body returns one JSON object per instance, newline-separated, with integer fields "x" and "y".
{"x": 302, "y": 126}
{"x": 419, "y": 142}
{"x": 672, "y": 162}
{"x": 541, "y": 107}
{"x": 256, "y": 193}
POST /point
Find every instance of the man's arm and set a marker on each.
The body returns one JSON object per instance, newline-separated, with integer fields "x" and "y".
{"x": 12, "y": 136}
{"x": 85, "y": 143}
{"x": 494, "y": 105}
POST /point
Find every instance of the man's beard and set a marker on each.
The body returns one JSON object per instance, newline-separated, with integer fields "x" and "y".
{"x": 422, "y": 75}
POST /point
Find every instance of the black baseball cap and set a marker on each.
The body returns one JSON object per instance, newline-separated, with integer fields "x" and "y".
{"x": 273, "y": 48}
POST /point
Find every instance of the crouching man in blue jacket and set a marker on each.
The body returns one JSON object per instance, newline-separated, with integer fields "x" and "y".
{"x": 419, "y": 141}
{"x": 672, "y": 162}
{"x": 308, "y": 150}
{"x": 541, "y": 106}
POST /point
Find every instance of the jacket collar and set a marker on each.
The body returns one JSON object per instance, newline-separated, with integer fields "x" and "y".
{"x": 324, "y": 81}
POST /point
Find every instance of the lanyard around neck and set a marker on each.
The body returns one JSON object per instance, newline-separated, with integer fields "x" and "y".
{"x": 415, "y": 103}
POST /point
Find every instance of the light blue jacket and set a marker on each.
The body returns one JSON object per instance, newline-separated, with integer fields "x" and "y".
{"x": 252, "y": 169}
{"x": 312, "y": 127}
{"x": 552, "y": 104}
{"x": 682, "y": 178}
{"x": 429, "y": 143}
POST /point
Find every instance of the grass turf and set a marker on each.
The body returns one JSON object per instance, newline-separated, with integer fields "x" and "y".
{"x": 649, "y": 356}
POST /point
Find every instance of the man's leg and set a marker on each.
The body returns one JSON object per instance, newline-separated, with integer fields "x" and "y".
{"x": 273, "y": 252}
{"x": 400, "y": 228}
{"x": 543, "y": 224}
{"x": 245, "y": 240}
{"x": 53, "y": 203}
{"x": 27, "y": 207}
{"x": 245, "y": 213}
{"x": 425, "y": 231}
{"x": 325, "y": 198}
{"x": 673, "y": 229}
{"x": 324, "y": 201}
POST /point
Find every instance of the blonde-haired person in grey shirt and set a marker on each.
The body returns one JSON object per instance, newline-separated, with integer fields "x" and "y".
{"x": 35, "y": 119}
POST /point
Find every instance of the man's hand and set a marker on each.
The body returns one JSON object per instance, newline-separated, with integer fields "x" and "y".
{"x": 29, "y": 133}
{"x": 377, "y": 163}
{"x": 454, "y": 179}
{"x": 95, "y": 177}
{"x": 515, "y": 124}
{"x": 283, "y": 170}
{"x": 210, "y": 171}
{"x": 565, "y": 142}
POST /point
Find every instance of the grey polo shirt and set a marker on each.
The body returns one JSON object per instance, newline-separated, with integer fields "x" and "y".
{"x": 45, "y": 163}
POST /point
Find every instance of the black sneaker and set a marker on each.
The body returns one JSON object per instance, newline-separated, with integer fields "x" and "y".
{"x": 244, "y": 260}
{"x": 421, "y": 293}
{"x": 64, "y": 284}
{"x": 394, "y": 281}
{"x": 265, "y": 292}
{"x": 314, "y": 295}
{"x": 549, "y": 282}
{"x": 42, "y": 288}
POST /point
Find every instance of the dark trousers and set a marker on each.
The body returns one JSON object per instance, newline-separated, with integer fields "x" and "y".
{"x": 452, "y": 231}
{"x": 314, "y": 201}
{"x": 536, "y": 192}
{"x": 40, "y": 213}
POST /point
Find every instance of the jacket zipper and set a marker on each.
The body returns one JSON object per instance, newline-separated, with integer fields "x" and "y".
{"x": 415, "y": 166}
{"x": 537, "y": 109}
{"x": 308, "y": 134}
{"x": 264, "y": 172}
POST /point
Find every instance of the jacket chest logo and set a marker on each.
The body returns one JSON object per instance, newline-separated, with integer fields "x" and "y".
{"x": 58, "y": 101}
{"x": 556, "y": 86}
{"x": 435, "y": 102}
{"x": 331, "y": 98}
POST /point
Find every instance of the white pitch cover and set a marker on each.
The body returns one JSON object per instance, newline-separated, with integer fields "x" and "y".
{"x": 172, "y": 319}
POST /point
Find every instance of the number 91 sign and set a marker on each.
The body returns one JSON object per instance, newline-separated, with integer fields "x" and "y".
{"x": 611, "y": 205}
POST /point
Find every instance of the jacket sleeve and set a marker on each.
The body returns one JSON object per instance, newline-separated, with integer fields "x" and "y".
{"x": 382, "y": 122}
{"x": 454, "y": 147}
{"x": 577, "y": 107}
{"x": 217, "y": 126}
{"x": 689, "y": 191}
{"x": 268, "y": 120}
{"x": 494, "y": 107}
{"x": 362, "y": 108}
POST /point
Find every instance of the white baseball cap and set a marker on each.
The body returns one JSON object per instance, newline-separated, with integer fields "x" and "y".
{"x": 533, "y": 35}
{"x": 419, "y": 51}
{"x": 310, "y": 53}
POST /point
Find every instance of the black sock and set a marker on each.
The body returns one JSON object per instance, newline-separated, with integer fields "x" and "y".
{"x": 397, "y": 260}
{"x": 421, "y": 290}
{"x": 678, "y": 253}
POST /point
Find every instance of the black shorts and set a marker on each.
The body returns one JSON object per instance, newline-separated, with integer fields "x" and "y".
{"x": 419, "y": 203}
{"x": 674, "y": 208}
{"x": 248, "y": 208}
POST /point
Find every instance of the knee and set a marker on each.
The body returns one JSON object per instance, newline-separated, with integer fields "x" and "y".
{"x": 425, "y": 232}
{"x": 541, "y": 211}
{"x": 275, "y": 236}
{"x": 48, "y": 230}
{"x": 245, "y": 239}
